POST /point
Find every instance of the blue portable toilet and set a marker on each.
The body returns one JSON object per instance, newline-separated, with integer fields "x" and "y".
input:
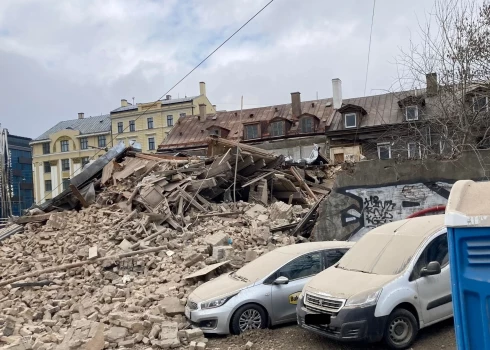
{"x": 468, "y": 222}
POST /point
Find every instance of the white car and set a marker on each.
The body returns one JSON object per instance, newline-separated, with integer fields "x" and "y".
{"x": 263, "y": 292}
{"x": 392, "y": 283}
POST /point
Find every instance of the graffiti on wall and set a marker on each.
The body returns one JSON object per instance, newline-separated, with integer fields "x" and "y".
{"x": 370, "y": 207}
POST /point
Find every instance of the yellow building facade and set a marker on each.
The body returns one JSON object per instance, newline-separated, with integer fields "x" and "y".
{"x": 61, "y": 152}
{"x": 149, "y": 123}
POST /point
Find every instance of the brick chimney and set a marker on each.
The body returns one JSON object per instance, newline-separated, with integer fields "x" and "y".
{"x": 168, "y": 97}
{"x": 202, "y": 88}
{"x": 296, "y": 104}
{"x": 124, "y": 102}
{"x": 432, "y": 86}
{"x": 80, "y": 115}
{"x": 202, "y": 112}
{"x": 337, "y": 93}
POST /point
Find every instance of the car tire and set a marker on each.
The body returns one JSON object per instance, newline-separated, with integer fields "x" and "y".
{"x": 248, "y": 317}
{"x": 401, "y": 329}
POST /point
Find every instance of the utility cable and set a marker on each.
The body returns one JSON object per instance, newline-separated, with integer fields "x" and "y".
{"x": 177, "y": 83}
{"x": 369, "y": 49}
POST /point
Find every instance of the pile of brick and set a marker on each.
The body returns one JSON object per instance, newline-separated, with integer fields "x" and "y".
{"x": 105, "y": 278}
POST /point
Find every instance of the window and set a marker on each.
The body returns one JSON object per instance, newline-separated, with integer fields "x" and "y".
{"x": 350, "y": 120}
{"x": 411, "y": 113}
{"x": 277, "y": 128}
{"x": 65, "y": 165}
{"x": 251, "y": 131}
{"x": 384, "y": 150}
{"x": 64, "y": 146}
{"x": 132, "y": 127}
{"x": 480, "y": 103}
{"x": 413, "y": 150}
{"x": 120, "y": 129}
{"x": 182, "y": 115}
{"x": 170, "y": 120}
{"x": 215, "y": 132}
{"x": 66, "y": 184}
{"x": 151, "y": 143}
{"x": 47, "y": 185}
{"x": 85, "y": 161}
{"x": 437, "y": 250}
{"x": 46, "y": 148}
{"x": 83, "y": 143}
{"x": 47, "y": 167}
{"x": 306, "y": 124}
{"x": 149, "y": 122}
{"x": 304, "y": 266}
{"x": 101, "y": 140}
{"x": 332, "y": 256}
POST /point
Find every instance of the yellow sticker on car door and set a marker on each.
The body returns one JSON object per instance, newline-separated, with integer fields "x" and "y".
{"x": 293, "y": 298}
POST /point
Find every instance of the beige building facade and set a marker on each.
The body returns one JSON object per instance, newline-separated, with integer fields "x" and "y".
{"x": 149, "y": 123}
{"x": 61, "y": 152}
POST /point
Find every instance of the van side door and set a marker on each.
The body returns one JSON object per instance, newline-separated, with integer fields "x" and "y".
{"x": 434, "y": 289}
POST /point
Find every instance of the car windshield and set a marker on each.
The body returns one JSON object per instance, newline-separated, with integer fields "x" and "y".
{"x": 262, "y": 266}
{"x": 381, "y": 254}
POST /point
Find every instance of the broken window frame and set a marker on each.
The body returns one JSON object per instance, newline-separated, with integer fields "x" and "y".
{"x": 348, "y": 126}
{"x": 413, "y": 117}
{"x": 381, "y": 145}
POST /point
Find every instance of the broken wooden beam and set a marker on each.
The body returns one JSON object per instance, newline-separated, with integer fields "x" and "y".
{"x": 33, "y": 218}
{"x": 198, "y": 185}
{"x": 303, "y": 184}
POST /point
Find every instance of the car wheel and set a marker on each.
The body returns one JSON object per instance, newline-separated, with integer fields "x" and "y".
{"x": 248, "y": 317}
{"x": 401, "y": 329}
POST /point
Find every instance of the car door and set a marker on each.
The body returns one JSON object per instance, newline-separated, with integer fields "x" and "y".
{"x": 434, "y": 292}
{"x": 285, "y": 296}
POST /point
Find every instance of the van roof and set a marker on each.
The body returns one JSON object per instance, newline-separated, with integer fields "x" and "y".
{"x": 421, "y": 227}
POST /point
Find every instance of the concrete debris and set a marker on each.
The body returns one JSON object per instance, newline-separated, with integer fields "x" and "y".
{"x": 249, "y": 345}
{"x": 116, "y": 274}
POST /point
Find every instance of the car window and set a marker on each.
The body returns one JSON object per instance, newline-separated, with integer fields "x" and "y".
{"x": 303, "y": 266}
{"x": 437, "y": 250}
{"x": 332, "y": 256}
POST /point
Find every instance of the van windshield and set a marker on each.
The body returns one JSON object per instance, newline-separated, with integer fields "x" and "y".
{"x": 381, "y": 254}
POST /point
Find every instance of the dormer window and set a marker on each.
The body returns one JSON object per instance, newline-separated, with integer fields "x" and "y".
{"x": 215, "y": 132}
{"x": 480, "y": 104}
{"x": 350, "y": 120}
{"x": 251, "y": 131}
{"x": 411, "y": 113}
{"x": 277, "y": 128}
{"x": 306, "y": 124}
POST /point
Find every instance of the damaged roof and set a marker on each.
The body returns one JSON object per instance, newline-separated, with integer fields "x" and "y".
{"x": 89, "y": 125}
{"x": 191, "y": 131}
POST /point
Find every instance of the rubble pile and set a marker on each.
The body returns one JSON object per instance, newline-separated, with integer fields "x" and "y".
{"x": 114, "y": 271}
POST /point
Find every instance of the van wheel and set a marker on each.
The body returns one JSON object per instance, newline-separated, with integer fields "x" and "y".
{"x": 401, "y": 329}
{"x": 248, "y": 317}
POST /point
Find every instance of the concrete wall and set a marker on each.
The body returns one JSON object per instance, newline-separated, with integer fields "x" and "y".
{"x": 374, "y": 192}
{"x": 296, "y": 147}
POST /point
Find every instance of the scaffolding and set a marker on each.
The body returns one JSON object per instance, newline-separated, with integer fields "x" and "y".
{"x": 5, "y": 174}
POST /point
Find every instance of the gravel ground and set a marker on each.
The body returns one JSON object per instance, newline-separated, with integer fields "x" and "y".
{"x": 291, "y": 337}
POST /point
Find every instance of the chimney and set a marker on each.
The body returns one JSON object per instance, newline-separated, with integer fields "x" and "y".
{"x": 432, "y": 86}
{"x": 202, "y": 112}
{"x": 202, "y": 88}
{"x": 80, "y": 115}
{"x": 337, "y": 93}
{"x": 168, "y": 97}
{"x": 296, "y": 104}
{"x": 124, "y": 102}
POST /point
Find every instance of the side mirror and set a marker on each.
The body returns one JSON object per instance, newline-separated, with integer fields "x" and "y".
{"x": 281, "y": 280}
{"x": 433, "y": 268}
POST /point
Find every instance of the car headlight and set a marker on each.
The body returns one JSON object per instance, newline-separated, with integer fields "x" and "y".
{"x": 211, "y": 304}
{"x": 367, "y": 298}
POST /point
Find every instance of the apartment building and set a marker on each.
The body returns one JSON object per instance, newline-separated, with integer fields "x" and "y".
{"x": 149, "y": 123}
{"x": 62, "y": 151}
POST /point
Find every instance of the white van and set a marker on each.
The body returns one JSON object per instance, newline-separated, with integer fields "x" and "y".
{"x": 392, "y": 283}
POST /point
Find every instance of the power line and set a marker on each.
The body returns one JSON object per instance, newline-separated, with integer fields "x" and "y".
{"x": 177, "y": 83}
{"x": 369, "y": 49}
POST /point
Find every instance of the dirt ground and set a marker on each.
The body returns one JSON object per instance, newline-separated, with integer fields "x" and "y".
{"x": 291, "y": 337}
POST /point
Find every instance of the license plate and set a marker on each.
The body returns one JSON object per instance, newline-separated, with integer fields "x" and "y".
{"x": 317, "y": 319}
{"x": 187, "y": 312}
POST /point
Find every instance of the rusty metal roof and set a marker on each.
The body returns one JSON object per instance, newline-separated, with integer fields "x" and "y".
{"x": 190, "y": 131}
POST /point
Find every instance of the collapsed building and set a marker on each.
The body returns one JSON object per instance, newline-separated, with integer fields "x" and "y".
{"x": 108, "y": 262}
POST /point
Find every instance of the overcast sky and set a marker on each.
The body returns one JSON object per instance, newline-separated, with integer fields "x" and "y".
{"x": 58, "y": 58}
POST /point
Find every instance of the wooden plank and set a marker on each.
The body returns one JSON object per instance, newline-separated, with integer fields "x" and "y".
{"x": 220, "y": 169}
{"x": 107, "y": 172}
{"x": 191, "y": 200}
{"x": 258, "y": 178}
{"x": 307, "y": 217}
{"x": 204, "y": 271}
{"x": 295, "y": 172}
{"x": 33, "y": 218}
{"x": 253, "y": 168}
{"x": 79, "y": 196}
{"x": 247, "y": 161}
{"x": 198, "y": 185}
